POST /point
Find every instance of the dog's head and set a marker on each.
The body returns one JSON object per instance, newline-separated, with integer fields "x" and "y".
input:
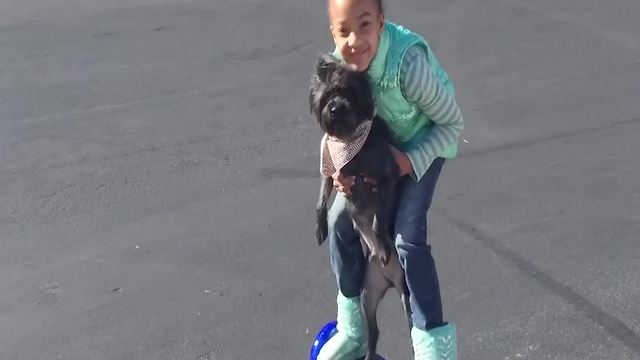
{"x": 340, "y": 97}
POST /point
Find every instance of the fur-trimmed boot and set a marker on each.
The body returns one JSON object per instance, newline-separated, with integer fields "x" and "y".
{"x": 436, "y": 344}
{"x": 350, "y": 342}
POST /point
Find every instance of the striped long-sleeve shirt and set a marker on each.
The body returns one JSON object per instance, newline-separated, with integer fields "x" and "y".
{"x": 422, "y": 87}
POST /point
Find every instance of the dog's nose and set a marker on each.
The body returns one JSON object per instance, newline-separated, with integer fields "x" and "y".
{"x": 336, "y": 110}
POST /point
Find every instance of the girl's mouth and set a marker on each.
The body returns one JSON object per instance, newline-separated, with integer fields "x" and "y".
{"x": 357, "y": 58}
{"x": 357, "y": 54}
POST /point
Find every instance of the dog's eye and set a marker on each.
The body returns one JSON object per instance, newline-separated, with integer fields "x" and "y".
{"x": 350, "y": 94}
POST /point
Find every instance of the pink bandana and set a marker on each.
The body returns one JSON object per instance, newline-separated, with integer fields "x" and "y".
{"x": 336, "y": 153}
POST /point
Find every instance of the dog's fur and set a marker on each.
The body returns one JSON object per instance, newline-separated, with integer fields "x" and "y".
{"x": 341, "y": 99}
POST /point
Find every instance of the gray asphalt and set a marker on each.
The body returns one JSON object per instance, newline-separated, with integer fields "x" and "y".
{"x": 158, "y": 175}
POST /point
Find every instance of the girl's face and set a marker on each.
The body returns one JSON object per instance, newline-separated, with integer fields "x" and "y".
{"x": 356, "y": 26}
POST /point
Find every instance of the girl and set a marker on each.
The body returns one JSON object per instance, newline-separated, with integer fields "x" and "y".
{"x": 415, "y": 97}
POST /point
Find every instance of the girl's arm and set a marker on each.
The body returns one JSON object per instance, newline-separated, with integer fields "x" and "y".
{"x": 421, "y": 86}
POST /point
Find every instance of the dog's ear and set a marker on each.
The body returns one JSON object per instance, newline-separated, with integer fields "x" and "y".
{"x": 325, "y": 66}
{"x": 313, "y": 89}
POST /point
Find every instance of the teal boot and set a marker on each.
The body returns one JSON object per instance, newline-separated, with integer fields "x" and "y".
{"x": 350, "y": 342}
{"x": 436, "y": 344}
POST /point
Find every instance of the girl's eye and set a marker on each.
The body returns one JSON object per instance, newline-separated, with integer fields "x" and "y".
{"x": 342, "y": 31}
{"x": 365, "y": 24}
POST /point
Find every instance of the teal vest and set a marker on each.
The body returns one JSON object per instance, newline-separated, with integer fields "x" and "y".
{"x": 404, "y": 119}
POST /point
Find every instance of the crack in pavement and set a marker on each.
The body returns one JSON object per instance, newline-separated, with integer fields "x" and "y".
{"x": 612, "y": 325}
{"x": 286, "y": 171}
{"x": 535, "y": 141}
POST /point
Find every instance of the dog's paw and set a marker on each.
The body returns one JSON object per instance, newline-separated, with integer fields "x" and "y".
{"x": 385, "y": 253}
{"x": 380, "y": 254}
{"x": 322, "y": 225}
{"x": 384, "y": 257}
{"x": 322, "y": 232}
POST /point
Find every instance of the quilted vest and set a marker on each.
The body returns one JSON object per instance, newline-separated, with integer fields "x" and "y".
{"x": 404, "y": 118}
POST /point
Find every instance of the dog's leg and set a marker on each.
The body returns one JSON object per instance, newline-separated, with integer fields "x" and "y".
{"x": 375, "y": 286}
{"x": 363, "y": 220}
{"x": 404, "y": 295}
{"x": 401, "y": 286}
{"x": 382, "y": 219}
{"x": 394, "y": 275}
{"x": 322, "y": 226}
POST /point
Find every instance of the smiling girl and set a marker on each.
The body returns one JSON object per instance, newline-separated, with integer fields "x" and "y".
{"x": 416, "y": 99}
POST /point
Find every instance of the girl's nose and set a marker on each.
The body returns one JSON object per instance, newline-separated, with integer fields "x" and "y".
{"x": 353, "y": 39}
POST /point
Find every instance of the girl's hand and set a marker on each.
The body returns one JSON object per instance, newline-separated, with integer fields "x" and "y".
{"x": 404, "y": 164}
{"x": 342, "y": 184}
{"x": 403, "y": 161}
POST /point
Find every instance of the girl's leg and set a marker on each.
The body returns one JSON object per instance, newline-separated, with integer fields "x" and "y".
{"x": 348, "y": 263}
{"x": 347, "y": 258}
{"x": 414, "y": 252}
{"x": 432, "y": 338}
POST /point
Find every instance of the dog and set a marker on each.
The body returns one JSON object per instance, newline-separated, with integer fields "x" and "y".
{"x": 342, "y": 102}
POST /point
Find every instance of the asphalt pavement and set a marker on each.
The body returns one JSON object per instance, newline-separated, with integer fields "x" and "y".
{"x": 159, "y": 172}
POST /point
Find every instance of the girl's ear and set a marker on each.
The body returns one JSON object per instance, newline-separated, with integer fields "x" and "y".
{"x": 333, "y": 36}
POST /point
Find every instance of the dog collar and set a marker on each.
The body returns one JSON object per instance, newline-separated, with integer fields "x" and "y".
{"x": 336, "y": 153}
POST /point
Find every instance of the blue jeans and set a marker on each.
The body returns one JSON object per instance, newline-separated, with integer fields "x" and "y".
{"x": 410, "y": 234}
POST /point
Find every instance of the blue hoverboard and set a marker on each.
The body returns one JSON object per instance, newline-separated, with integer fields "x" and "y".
{"x": 325, "y": 333}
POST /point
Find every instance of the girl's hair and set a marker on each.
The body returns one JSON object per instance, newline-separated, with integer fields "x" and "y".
{"x": 380, "y": 4}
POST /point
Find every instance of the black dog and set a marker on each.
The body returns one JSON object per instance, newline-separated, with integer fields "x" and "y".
{"x": 341, "y": 100}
